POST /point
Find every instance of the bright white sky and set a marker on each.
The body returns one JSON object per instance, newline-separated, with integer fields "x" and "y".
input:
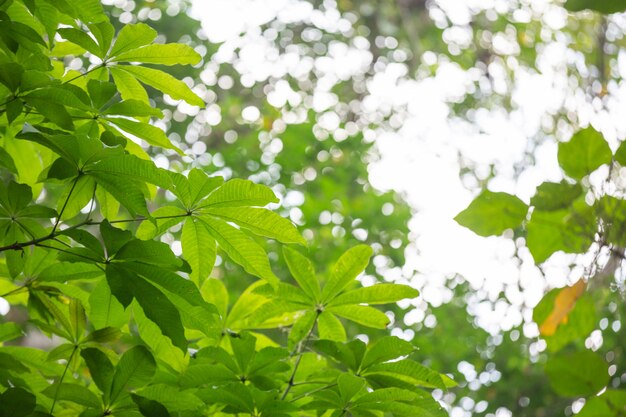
{"x": 420, "y": 157}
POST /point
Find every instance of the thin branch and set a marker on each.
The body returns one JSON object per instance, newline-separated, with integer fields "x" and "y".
{"x": 67, "y": 200}
{"x": 56, "y": 392}
{"x": 298, "y": 351}
{"x": 52, "y": 235}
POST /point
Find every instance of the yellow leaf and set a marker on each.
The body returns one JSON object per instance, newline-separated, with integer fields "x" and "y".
{"x": 563, "y": 304}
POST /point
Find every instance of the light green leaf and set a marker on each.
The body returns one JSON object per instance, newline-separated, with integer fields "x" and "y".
{"x": 363, "y": 315}
{"x": 584, "y": 153}
{"x": 164, "y": 82}
{"x": 406, "y": 373}
{"x": 133, "y": 36}
{"x": 346, "y": 269}
{"x": 241, "y": 249}
{"x": 81, "y": 39}
{"x": 169, "y": 54}
{"x": 301, "y": 328}
{"x": 571, "y": 231}
{"x": 238, "y": 193}
{"x": 9, "y": 331}
{"x": 554, "y": 196}
{"x": 260, "y": 221}
{"x": 386, "y": 349}
{"x": 163, "y": 218}
{"x": 492, "y": 213}
{"x": 151, "y": 134}
{"x": 349, "y": 386}
{"x": 376, "y": 294}
{"x": 199, "y": 249}
{"x": 128, "y": 86}
{"x": 330, "y": 327}
{"x": 303, "y": 272}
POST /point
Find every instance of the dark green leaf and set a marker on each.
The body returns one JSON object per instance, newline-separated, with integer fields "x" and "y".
{"x": 589, "y": 375}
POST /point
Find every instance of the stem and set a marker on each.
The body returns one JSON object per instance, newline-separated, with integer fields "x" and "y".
{"x": 298, "y": 352}
{"x": 85, "y": 73}
{"x": 67, "y": 200}
{"x": 13, "y": 291}
{"x": 313, "y": 391}
{"x": 54, "y": 233}
{"x": 67, "y": 365}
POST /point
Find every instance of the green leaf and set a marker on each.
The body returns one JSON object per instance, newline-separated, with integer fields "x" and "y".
{"x": 151, "y": 134}
{"x": 69, "y": 271}
{"x": 349, "y": 386}
{"x": 303, "y": 272}
{"x": 604, "y": 6}
{"x": 159, "y": 309}
{"x": 169, "y": 54}
{"x": 571, "y": 231}
{"x": 105, "y": 309}
{"x": 16, "y": 402}
{"x": 133, "y": 36}
{"x": 376, "y": 294}
{"x": 149, "y": 252}
{"x": 126, "y": 192}
{"x": 555, "y": 196}
{"x": 164, "y": 82}
{"x": 589, "y": 375}
{"x": 610, "y": 404}
{"x": 100, "y": 368}
{"x": 10, "y": 331}
{"x": 128, "y": 86}
{"x": 330, "y": 327}
{"x": 199, "y": 249}
{"x": 133, "y": 108}
{"x": 584, "y": 153}
{"x": 238, "y": 193}
{"x": 81, "y": 39}
{"x": 386, "y": 349}
{"x": 405, "y": 374}
{"x": 73, "y": 392}
{"x": 259, "y": 221}
{"x": 301, "y": 328}
{"x": 492, "y": 213}
{"x": 135, "y": 369}
{"x": 241, "y": 249}
{"x": 363, "y": 315}
{"x": 346, "y": 269}
{"x": 150, "y": 408}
